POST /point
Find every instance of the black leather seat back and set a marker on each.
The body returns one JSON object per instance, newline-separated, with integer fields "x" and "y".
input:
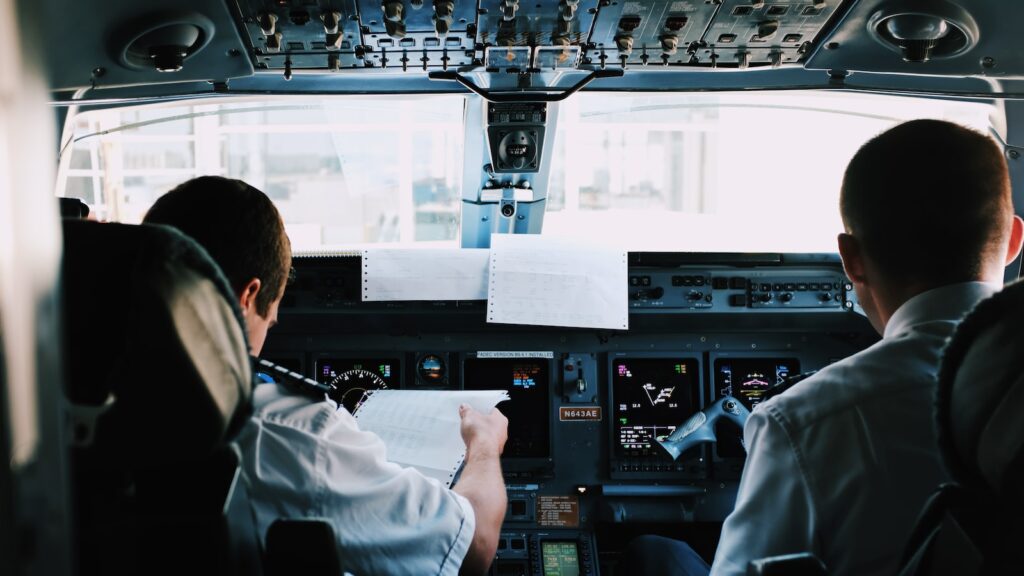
{"x": 150, "y": 319}
{"x": 973, "y": 526}
{"x": 157, "y": 377}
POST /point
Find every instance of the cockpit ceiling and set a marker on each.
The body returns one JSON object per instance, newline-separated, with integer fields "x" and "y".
{"x": 519, "y": 45}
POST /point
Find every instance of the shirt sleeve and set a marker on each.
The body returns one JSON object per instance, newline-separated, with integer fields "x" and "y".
{"x": 387, "y": 519}
{"x": 774, "y": 509}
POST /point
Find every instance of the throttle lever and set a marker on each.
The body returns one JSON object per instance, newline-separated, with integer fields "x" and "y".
{"x": 700, "y": 427}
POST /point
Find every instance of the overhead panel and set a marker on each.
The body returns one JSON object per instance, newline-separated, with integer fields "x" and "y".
{"x": 428, "y": 34}
{"x": 773, "y": 32}
{"x": 533, "y": 23}
{"x": 525, "y": 35}
{"x": 302, "y": 35}
{"x": 649, "y": 32}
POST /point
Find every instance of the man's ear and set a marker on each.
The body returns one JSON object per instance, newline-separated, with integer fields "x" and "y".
{"x": 1016, "y": 239}
{"x": 247, "y": 298}
{"x": 853, "y": 258}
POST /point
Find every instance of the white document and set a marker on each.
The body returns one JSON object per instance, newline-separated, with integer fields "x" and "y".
{"x": 421, "y": 428}
{"x": 547, "y": 281}
{"x": 424, "y": 274}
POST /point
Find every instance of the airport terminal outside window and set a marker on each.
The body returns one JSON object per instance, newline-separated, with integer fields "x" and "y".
{"x": 719, "y": 172}
{"x": 740, "y": 172}
{"x": 343, "y": 172}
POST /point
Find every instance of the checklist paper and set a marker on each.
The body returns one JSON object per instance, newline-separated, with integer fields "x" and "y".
{"x": 421, "y": 428}
{"x": 544, "y": 281}
{"x": 424, "y": 274}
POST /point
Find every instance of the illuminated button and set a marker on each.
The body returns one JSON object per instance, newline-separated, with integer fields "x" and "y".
{"x": 776, "y": 287}
{"x": 766, "y": 287}
{"x": 699, "y": 281}
{"x": 431, "y": 42}
{"x": 790, "y": 287}
{"x": 645, "y": 280}
{"x": 801, "y": 287}
{"x": 813, "y": 286}
{"x": 634, "y": 280}
{"x": 792, "y": 38}
{"x": 727, "y": 39}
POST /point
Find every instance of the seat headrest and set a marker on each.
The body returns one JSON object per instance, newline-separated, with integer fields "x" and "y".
{"x": 151, "y": 322}
{"x": 980, "y": 398}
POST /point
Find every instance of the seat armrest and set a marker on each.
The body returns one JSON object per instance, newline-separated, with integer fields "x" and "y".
{"x": 803, "y": 564}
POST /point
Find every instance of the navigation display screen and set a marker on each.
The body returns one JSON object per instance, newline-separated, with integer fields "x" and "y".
{"x": 354, "y": 377}
{"x": 651, "y": 396}
{"x": 560, "y": 558}
{"x": 528, "y": 409}
{"x": 747, "y": 380}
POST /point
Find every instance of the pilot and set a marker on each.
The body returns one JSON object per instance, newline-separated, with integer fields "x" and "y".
{"x": 308, "y": 458}
{"x": 841, "y": 464}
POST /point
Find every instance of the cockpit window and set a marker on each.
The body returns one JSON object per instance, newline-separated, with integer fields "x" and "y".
{"x": 342, "y": 172}
{"x": 722, "y": 172}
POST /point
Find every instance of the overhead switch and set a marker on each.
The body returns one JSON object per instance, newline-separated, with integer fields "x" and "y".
{"x": 509, "y": 9}
{"x": 624, "y": 44}
{"x": 330, "y": 20}
{"x": 766, "y": 30}
{"x": 669, "y": 45}
{"x": 567, "y": 8}
{"x": 394, "y": 18}
{"x": 267, "y": 22}
{"x": 443, "y": 16}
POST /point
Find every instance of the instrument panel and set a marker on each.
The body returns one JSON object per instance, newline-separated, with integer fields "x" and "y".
{"x": 588, "y": 405}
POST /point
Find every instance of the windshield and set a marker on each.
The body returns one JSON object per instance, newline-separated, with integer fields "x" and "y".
{"x": 726, "y": 172}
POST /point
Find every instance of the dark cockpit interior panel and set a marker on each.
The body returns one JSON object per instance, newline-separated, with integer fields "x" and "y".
{"x": 588, "y": 407}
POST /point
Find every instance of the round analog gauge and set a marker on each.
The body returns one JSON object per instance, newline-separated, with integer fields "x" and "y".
{"x": 352, "y": 386}
{"x": 431, "y": 369}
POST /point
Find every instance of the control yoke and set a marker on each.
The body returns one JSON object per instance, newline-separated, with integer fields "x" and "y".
{"x": 700, "y": 427}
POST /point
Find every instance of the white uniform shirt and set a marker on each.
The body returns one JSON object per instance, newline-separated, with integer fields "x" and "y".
{"x": 305, "y": 459}
{"x": 841, "y": 464}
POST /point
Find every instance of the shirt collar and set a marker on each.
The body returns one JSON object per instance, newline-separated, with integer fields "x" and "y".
{"x": 950, "y": 302}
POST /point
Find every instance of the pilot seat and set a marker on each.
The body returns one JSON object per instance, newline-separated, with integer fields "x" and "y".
{"x": 971, "y": 526}
{"x": 157, "y": 379}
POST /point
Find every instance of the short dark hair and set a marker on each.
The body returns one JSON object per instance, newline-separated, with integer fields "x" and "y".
{"x": 929, "y": 201}
{"x": 238, "y": 225}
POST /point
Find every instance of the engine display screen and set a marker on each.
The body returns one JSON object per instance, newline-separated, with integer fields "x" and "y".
{"x": 651, "y": 396}
{"x": 354, "y": 377}
{"x": 528, "y": 409}
{"x": 747, "y": 380}
{"x": 560, "y": 558}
